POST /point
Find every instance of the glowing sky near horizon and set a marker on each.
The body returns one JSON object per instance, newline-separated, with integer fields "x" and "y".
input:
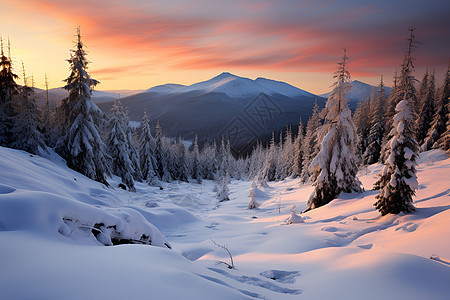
{"x": 137, "y": 44}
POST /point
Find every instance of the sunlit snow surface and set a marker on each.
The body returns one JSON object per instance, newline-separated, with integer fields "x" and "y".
{"x": 344, "y": 250}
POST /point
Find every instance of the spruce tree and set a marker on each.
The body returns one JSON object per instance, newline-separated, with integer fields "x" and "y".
{"x": 161, "y": 154}
{"x": 134, "y": 152}
{"x": 252, "y": 204}
{"x": 426, "y": 111}
{"x": 441, "y": 116}
{"x": 147, "y": 145}
{"x": 377, "y": 130}
{"x": 25, "y": 133}
{"x": 335, "y": 166}
{"x": 196, "y": 168}
{"x": 9, "y": 91}
{"x": 269, "y": 170}
{"x": 310, "y": 146}
{"x": 444, "y": 141}
{"x": 223, "y": 192}
{"x": 119, "y": 148}
{"x": 81, "y": 144}
{"x": 404, "y": 89}
{"x": 362, "y": 123}
{"x": 398, "y": 178}
{"x": 298, "y": 152}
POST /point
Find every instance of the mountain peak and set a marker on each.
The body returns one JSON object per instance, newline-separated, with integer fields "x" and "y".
{"x": 224, "y": 75}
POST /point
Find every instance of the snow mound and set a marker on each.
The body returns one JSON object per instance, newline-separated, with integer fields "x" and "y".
{"x": 40, "y": 196}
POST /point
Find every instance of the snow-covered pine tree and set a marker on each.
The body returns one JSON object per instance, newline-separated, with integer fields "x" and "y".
{"x": 423, "y": 89}
{"x": 426, "y": 111}
{"x": 46, "y": 119}
{"x": 441, "y": 116}
{"x": 444, "y": 141}
{"x": 117, "y": 143}
{"x": 335, "y": 166}
{"x": 286, "y": 156}
{"x": 25, "y": 133}
{"x": 208, "y": 161}
{"x": 81, "y": 144}
{"x": 377, "y": 130}
{"x": 252, "y": 204}
{"x": 403, "y": 89}
{"x": 161, "y": 169}
{"x": 147, "y": 145}
{"x": 223, "y": 192}
{"x": 298, "y": 153}
{"x": 294, "y": 218}
{"x": 9, "y": 91}
{"x": 134, "y": 152}
{"x": 178, "y": 167}
{"x": 269, "y": 170}
{"x": 389, "y": 113}
{"x": 406, "y": 89}
{"x": 196, "y": 168}
{"x": 398, "y": 178}
{"x": 362, "y": 123}
{"x": 310, "y": 146}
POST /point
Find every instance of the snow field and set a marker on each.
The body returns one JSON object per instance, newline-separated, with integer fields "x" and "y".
{"x": 344, "y": 250}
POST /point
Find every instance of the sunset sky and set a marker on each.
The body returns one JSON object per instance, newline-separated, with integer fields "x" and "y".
{"x": 137, "y": 44}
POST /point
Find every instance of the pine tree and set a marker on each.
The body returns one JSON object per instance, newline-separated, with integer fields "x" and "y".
{"x": 177, "y": 165}
{"x": 223, "y": 192}
{"x": 310, "y": 146}
{"x": 252, "y": 204}
{"x": 134, "y": 152}
{"x": 444, "y": 141}
{"x": 25, "y": 133}
{"x": 362, "y": 122}
{"x": 269, "y": 170}
{"x": 118, "y": 146}
{"x": 404, "y": 89}
{"x": 147, "y": 145}
{"x": 196, "y": 168}
{"x": 294, "y": 218}
{"x": 335, "y": 166}
{"x": 298, "y": 153}
{"x": 426, "y": 111}
{"x": 9, "y": 91}
{"x": 441, "y": 116}
{"x": 46, "y": 119}
{"x": 81, "y": 144}
{"x": 423, "y": 89}
{"x": 161, "y": 169}
{"x": 398, "y": 178}
{"x": 377, "y": 130}
{"x": 389, "y": 113}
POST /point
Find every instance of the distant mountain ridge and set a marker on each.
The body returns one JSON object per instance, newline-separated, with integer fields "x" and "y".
{"x": 233, "y": 86}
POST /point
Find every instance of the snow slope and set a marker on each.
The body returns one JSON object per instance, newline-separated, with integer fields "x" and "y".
{"x": 344, "y": 250}
{"x": 234, "y": 87}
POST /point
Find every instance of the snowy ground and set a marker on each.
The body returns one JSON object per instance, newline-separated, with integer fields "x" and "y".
{"x": 344, "y": 250}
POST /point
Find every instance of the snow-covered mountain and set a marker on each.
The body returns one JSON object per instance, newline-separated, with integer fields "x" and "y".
{"x": 360, "y": 91}
{"x": 234, "y": 86}
{"x": 222, "y": 106}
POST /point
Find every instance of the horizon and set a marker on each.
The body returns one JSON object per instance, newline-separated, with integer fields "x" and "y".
{"x": 137, "y": 45}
